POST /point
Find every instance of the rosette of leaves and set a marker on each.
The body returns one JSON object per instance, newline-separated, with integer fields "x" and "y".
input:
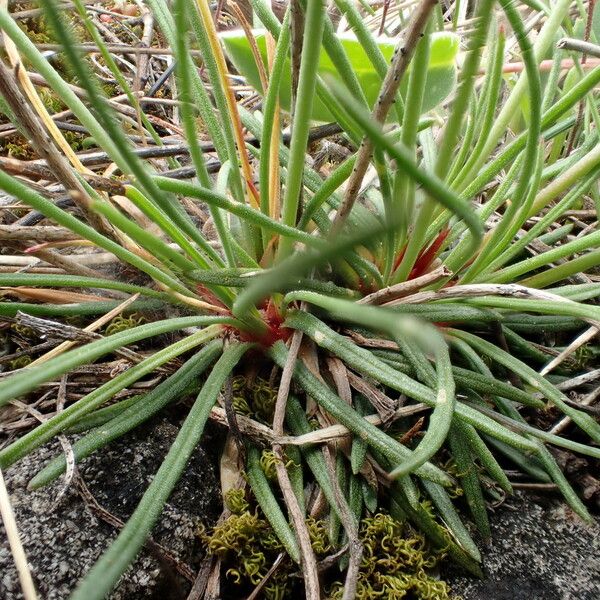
{"x": 419, "y": 286}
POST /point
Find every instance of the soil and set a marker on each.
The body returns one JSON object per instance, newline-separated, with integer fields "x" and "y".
{"x": 63, "y": 541}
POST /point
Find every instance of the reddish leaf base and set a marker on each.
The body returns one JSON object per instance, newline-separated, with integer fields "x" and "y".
{"x": 270, "y": 315}
{"x": 426, "y": 257}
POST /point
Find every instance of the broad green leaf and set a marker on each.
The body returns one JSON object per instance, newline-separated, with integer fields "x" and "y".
{"x": 441, "y": 75}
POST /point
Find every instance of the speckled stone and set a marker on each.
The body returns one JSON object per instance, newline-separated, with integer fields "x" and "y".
{"x": 538, "y": 551}
{"x": 63, "y": 542}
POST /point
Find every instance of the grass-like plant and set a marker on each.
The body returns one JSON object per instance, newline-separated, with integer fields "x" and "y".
{"x": 369, "y": 306}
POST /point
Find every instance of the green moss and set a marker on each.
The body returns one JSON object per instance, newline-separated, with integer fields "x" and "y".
{"x": 248, "y": 546}
{"x": 257, "y": 400}
{"x": 50, "y": 100}
{"x": 583, "y": 356}
{"x": 15, "y": 147}
{"x": 121, "y": 323}
{"x": 19, "y": 363}
{"x": 37, "y": 30}
{"x": 23, "y": 330}
{"x": 74, "y": 139}
{"x": 268, "y": 462}
{"x": 235, "y": 501}
{"x": 396, "y": 563}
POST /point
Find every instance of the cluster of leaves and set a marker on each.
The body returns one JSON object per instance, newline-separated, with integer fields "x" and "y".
{"x": 350, "y": 294}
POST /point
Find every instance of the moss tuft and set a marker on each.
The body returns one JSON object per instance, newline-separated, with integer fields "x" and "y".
{"x": 396, "y": 563}
{"x": 235, "y": 501}
{"x": 257, "y": 400}
{"x": 121, "y": 323}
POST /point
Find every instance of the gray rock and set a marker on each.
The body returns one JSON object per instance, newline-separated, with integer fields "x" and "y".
{"x": 63, "y": 542}
{"x": 537, "y": 552}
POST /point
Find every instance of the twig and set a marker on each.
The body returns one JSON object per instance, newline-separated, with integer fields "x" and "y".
{"x": 71, "y": 469}
{"x": 230, "y": 413}
{"x": 35, "y": 102}
{"x": 592, "y": 410}
{"x": 534, "y": 487}
{"x": 383, "y": 404}
{"x": 201, "y": 580}
{"x": 256, "y": 591}
{"x": 70, "y": 333}
{"x": 27, "y": 351}
{"x": 309, "y": 562}
{"x": 333, "y": 432}
{"x": 332, "y": 559}
{"x": 247, "y": 426}
{"x": 44, "y": 146}
{"x": 579, "y": 46}
{"x": 400, "y": 61}
{"x": 476, "y": 290}
{"x": 355, "y": 547}
{"x": 367, "y": 342}
{"x": 585, "y": 401}
{"x": 340, "y": 377}
{"x": 570, "y": 384}
{"x": 36, "y": 234}
{"x": 399, "y": 290}
{"x": 90, "y": 328}
{"x": 579, "y": 341}
{"x": 284, "y": 385}
{"x": 544, "y": 66}
{"x": 65, "y": 262}
{"x": 115, "y": 49}
{"x": 581, "y": 103}
{"x": 14, "y": 541}
{"x": 213, "y": 583}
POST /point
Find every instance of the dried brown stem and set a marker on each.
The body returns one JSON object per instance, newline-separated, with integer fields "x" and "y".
{"x": 384, "y": 405}
{"x": 284, "y": 385}
{"x": 334, "y": 432}
{"x": 404, "y": 288}
{"x": 351, "y": 526}
{"x": 256, "y": 591}
{"x": 36, "y": 234}
{"x": 231, "y": 416}
{"x": 46, "y": 148}
{"x": 400, "y": 61}
{"x": 309, "y": 562}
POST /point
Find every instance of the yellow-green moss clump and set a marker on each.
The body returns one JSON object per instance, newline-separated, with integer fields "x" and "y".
{"x": 257, "y": 400}
{"x": 19, "y": 363}
{"x": 248, "y": 546}
{"x": 396, "y": 564}
{"x": 14, "y": 146}
{"x": 121, "y": 323}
